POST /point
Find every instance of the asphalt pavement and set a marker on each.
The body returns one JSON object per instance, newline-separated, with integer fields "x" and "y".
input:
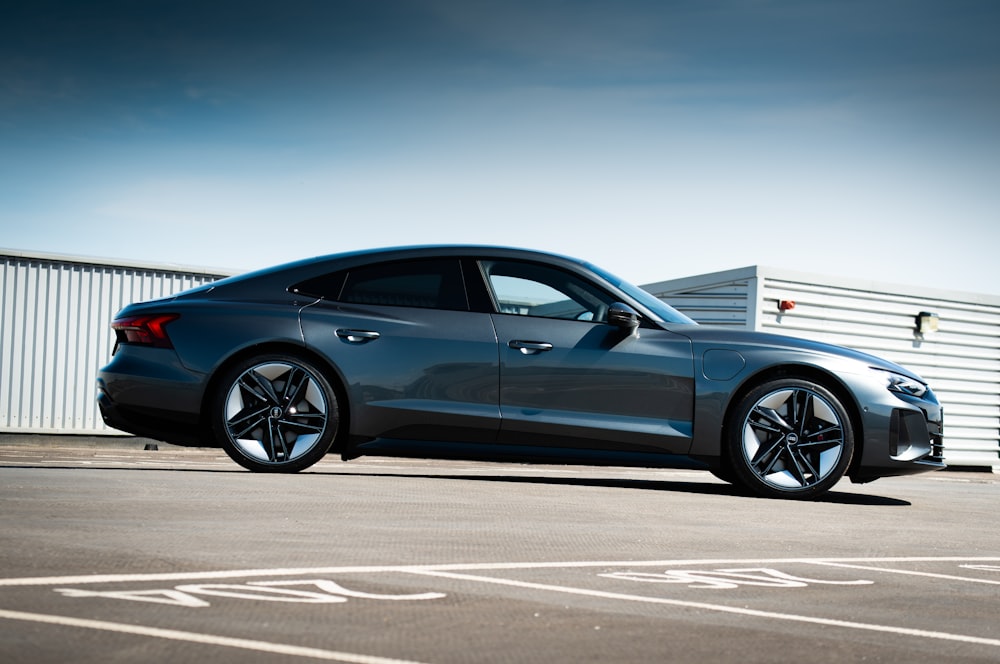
{"x": 112, "y": 552}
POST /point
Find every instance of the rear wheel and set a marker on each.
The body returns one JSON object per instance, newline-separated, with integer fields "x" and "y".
{"x": 275, "y": 413}
{"x": 790, "y": 438}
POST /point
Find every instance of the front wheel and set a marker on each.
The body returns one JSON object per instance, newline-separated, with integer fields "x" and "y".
{"x": 790, "y": 438}
{"x": 275, "y": 413}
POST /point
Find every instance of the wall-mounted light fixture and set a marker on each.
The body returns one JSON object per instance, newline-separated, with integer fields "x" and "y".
{"x": 786, "y": 305}
{"x": 926, "y": 322}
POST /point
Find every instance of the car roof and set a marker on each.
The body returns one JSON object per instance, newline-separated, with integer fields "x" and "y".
{"x": 286, "y": 274}
{"x": 431, "y": 250}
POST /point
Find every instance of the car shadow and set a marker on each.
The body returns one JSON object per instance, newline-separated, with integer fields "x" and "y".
{"x": 703, "y": 488}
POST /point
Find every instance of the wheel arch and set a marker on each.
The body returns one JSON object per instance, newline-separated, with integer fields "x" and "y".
{"x": 817, "y": 375}
{"x": 280, "y": 347}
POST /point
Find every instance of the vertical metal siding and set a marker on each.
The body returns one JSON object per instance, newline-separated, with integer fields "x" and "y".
{"x": 55, "y": 335}
{"x": 724, "y": 303}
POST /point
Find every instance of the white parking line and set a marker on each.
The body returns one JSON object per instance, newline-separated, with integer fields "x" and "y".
{"x": 479, "y": 573}
{"x": 207, "y": 639}
{"x": 195, "y": 576}
{"x": 932, "y": 575}
{"x": 473, "y": 567}
{"x": 905, "y": 631}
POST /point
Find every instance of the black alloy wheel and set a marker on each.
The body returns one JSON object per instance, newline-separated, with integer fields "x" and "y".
{"x": 275, "y": 413}
{"x": 790, "y": 438}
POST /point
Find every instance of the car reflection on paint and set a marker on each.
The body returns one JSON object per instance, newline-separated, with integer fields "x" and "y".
{"x": 506, "y": 355}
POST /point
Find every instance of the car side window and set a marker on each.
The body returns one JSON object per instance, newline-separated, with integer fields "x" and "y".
{"x": 429, "y": 284}
{"x": 530, "y": 289}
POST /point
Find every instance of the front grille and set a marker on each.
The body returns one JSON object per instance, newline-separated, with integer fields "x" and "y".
{"x": 913, "y": 437}
{"x": 937, "y": 449}
{"x": 936, "y": 432}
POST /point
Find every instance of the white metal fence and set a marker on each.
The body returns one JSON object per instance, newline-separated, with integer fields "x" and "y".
{"x": 55, "y": 334}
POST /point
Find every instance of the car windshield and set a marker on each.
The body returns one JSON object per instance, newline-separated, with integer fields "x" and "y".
{"x": 662, "y": 312}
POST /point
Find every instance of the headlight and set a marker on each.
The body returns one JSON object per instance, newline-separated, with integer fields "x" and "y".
{"x": 901, "y": 384}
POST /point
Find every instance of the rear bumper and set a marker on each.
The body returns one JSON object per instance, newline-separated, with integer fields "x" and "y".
{"x": 148, "y": 392}
{"x": 150, "y": 423}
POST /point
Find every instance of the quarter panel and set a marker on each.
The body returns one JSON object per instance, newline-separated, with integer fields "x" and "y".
{"x": 718, "y": 390}
{"x": 209, "y": 332}
{"x": 850, "y": 377}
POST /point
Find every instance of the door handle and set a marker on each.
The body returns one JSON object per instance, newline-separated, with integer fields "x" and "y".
{"x": 357, "y": 336}
{"x": 530, "y": 347}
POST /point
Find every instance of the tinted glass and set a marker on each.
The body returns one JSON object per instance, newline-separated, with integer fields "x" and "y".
{"x": 325, "y": 287}
{"x": 662, "y": 311}
{"x": 431, "y": 284}
{"x": 530, "y": 289}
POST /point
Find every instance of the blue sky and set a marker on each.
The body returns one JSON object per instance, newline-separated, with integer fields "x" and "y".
{"x": 658, "y": 139}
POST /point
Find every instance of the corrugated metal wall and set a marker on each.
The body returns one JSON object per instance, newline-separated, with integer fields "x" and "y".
{"x": 55, "y": 334}
{"x": 961, "y": 360}
{"x": 721, "y": 298}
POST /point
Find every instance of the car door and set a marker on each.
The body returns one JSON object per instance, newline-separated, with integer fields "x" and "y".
{"x": 415, "y": 361}
{"x": 568, "y": 378}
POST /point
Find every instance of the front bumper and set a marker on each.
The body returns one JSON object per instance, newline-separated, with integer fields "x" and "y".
{"x": 904, "y": 435}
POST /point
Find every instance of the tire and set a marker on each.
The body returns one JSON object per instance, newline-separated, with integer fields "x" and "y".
{"x": 789, "y": 438}
{"x": 275, "y": 414}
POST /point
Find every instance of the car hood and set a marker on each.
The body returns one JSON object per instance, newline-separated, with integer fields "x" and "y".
{"x": 722, "y": 337}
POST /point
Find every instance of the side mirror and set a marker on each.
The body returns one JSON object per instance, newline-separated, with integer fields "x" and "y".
{"x": 623, "y": 316}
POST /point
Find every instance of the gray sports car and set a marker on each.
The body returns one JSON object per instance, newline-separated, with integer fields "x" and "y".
{"x": 505, "y": 355}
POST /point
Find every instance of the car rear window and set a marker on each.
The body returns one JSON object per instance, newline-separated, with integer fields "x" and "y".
{"x": 429, "y": 284}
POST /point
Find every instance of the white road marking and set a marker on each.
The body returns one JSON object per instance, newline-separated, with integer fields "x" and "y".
{"x": 323, "y": 591}
{"x": 207, "y": 639}
{"x": 905, "y": 631}
{"x": 466, "y": 572}
{"x": 469, "y": 567}
{"x": 728, "y": 579}
{"x": 950, "y": 577}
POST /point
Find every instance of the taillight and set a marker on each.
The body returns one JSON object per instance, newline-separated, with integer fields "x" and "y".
{"x": 148, "y": 330}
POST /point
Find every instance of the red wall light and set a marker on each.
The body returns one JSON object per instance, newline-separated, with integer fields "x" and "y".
{"x": 786, "y": 305}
